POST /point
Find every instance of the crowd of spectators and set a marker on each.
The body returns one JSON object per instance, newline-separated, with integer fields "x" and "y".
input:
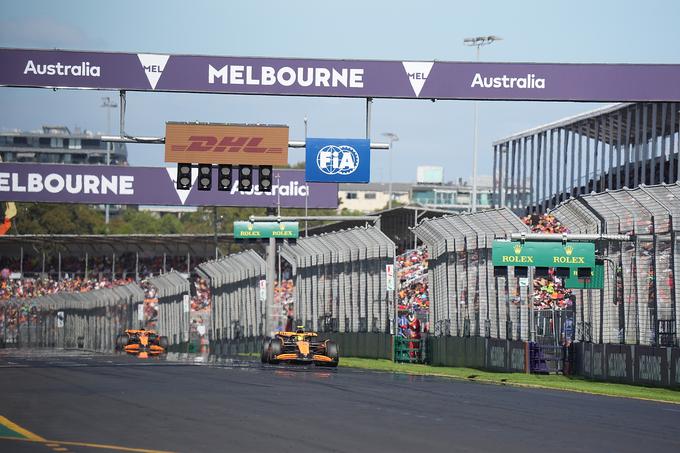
{"x": 284, "y": 300}
{"x": 549, "y": 292}
{"x": 126, "y": 265}
{"x": 201, "y": 300}
{"x": 27, "y": 288}
{"x": 545, "y": 223}
{"x": 412, "y": 290}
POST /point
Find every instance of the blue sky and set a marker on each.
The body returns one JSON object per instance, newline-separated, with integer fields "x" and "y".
{"x": 440, "y": 133}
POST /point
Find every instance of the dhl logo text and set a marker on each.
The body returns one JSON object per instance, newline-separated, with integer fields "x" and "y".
{"x": 211, "y": 143}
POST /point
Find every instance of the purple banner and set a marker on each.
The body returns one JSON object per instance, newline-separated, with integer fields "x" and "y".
{"x": 344, "y": 78}
{"x": 99, "y": 184}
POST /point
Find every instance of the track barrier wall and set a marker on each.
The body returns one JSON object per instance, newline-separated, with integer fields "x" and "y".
{"x": 341, "y": 281}
{"x": 237, "y": 309}
{"x": 466, "y": 299}
{"x": 638, "y": 304}
{"x": 172, "y": 291}
{"x": 88, "y": 320}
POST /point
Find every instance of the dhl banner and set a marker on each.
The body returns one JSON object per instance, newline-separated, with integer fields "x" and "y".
{"x": 226, "y": 144}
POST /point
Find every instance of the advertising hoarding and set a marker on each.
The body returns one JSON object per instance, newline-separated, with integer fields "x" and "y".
{"x": 543, "y": 254}
{"x": 342, "y": 78}
{"x": 265, "y": 230}
{"x": 100, "y": 184}
{"x": 226, "y": 144}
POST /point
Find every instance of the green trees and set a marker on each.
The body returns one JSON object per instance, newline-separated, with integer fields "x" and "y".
{"x": 48, "y": 218}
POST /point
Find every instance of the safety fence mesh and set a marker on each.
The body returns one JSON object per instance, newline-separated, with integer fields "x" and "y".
{"x": 171, "y": 291}
{"x": 638, "y": 303}
{"x": 466, "y": 298}
{"x": 341, "y": 281}
{"x": 238, "y": 308}
{"x": 88, "y": 320}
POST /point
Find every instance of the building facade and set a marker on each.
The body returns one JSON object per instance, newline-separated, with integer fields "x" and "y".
{"x": 58, "y": 145}
{"x": 453, "y": 196}
{"x": 372, "y": 196}
{"x": 449, "y": 196}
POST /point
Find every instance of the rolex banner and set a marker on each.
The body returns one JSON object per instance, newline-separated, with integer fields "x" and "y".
{"x": 543, "y": 254}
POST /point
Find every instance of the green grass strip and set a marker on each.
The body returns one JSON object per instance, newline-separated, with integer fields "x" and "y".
{"x": 556, "y": 382}
{"x": 7, "y": 432}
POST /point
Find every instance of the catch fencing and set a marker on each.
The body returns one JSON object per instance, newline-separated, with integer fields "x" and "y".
{"x": 173, "y": 293}
{"x": 89, "y": 320}
{"x": 638, "y": 304}
{"x": 466, "y": 298}
{"x": 237, "y": 306}
{"x": 341, "y": 281}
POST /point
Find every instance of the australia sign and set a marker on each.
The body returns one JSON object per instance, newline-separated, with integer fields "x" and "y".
{"x": 100, "y": 184}
{"x": 338, "y": 160}
{"x": 343, "y": 78}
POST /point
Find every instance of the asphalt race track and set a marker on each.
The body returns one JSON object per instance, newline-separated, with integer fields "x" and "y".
{"x": 81, "y": 402}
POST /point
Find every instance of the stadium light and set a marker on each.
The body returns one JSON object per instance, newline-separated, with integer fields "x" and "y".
{"x": 183, "y": 176}
{"x": 224, "y": 177}
{"x": 392, "y": 137}
{"x": 266, "y": 178}
{"x": 108, "y": 104}
{"x": 204, "y": 177}
{"x": 245, "y": 178}
{"x": 477, "y": 41}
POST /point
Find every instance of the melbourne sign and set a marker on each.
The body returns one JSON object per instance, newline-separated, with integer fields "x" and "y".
{"x": 226, "y": 144}
{"x": 543, "y": 254}
{"x": 265, "y": 230}
{"x": 338, "y": 160}
{"x": 345, "y": 78}
{"x": 100, "y": 184}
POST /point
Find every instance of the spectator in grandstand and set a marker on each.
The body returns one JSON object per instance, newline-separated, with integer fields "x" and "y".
{"x": 412, "y": 291}
{"x": 545, "y": 223}
{"x": 414, "y": 333}
{"x": 403, "y": 330}
{"x": 201, "y": 301}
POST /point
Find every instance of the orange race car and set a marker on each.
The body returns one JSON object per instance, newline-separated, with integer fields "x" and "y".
{"x": 135, "y": 341}
{"x": 300, "y": 347}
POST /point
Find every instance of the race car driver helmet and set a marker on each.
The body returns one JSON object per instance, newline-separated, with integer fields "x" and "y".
{"x": 299, "y": 333}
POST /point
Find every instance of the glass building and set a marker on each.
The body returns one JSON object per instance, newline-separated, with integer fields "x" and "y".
{"x": 58, "y": 145}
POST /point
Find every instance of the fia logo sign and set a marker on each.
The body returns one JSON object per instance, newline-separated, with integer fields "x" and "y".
{"x": 337, "y": 160}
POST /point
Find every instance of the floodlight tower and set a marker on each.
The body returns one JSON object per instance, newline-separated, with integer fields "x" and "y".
{"x": 108, "y": 104}
{"x": 392, "y": 137}
{"x": 477, "y": 41}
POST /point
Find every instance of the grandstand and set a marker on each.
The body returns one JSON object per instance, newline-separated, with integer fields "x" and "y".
{"x": 622, "y": 145}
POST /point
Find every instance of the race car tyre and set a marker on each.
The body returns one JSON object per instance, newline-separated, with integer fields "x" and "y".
{"x": 275, "y": 348}
{"x": 121, "y": 341}
{"x": 264, "y": 356}
{"x": 163, "y": 342}
{"x": 333, "y": 353}
{"x": 332, "y": 350}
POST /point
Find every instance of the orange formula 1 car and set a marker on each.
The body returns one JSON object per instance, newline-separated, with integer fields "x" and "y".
{"x": 300, "y": 347}
{"x": 141, "y": 341}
